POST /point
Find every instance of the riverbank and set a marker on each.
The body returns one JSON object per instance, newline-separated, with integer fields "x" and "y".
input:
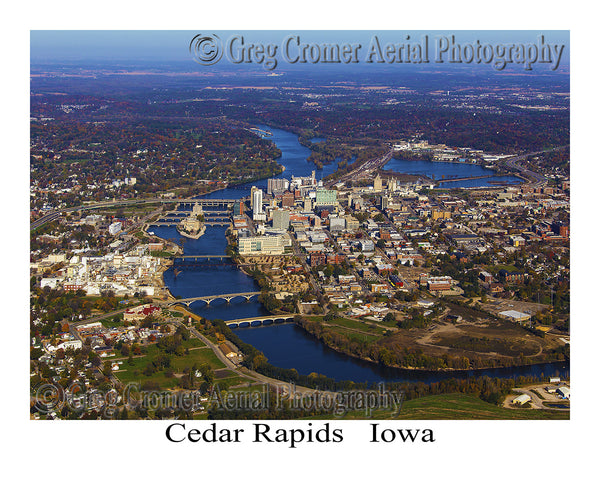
{"x": 383, "y": 355}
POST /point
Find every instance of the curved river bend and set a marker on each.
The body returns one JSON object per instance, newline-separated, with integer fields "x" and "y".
{"x": 287, "y": 345}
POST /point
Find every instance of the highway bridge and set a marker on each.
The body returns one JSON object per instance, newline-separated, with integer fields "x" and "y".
{"x": 179, "y": 214}
{"x": 264, "y": 133}
{"x": 192, "y": 261}
{"x": 207, "y": 202}
{"x": 460, "y": 179}
{"x": 199, "y": 257}
{"x": 258, "y": 321}
{"x": 171, "y": 223}
{"x": 210, "y": 298}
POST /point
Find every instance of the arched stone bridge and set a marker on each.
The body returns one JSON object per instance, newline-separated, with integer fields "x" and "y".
{"x": 258, "y": 321}
{"x": 209, "y": 298}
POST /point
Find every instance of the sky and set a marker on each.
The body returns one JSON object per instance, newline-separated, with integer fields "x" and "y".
{"x": 54, "y": 46}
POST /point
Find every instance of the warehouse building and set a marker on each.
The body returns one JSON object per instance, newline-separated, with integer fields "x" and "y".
{"x": 521, "y": 399}
{"x": 515, "y": 316}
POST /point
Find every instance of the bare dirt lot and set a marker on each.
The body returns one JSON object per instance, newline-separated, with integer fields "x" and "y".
{"x": 496, "y": 305}
{"x": 478, "y": 337}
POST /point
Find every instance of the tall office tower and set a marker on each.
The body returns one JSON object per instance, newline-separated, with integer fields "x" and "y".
{"x": 281, "y": 219}
{"x": 252, "y": 190}
{"x": 257, "y": 206}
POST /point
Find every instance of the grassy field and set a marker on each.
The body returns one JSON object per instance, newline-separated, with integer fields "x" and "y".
{"x": 111, "y": 322}
{"x": 197, "y": 356}
{"x": 163, "y": 254}
{"x": 511, "y": 347}
{"x": 457, "y": 406}
{"x": 494, "y": 269}
{"x": 354, "y": 335}
{"x": 353, "y": 329}
{"x": 358, "y": 325}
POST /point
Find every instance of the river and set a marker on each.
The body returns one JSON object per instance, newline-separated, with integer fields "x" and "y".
{"x": 450, "y": 170}
{"x": 287, "y": 345}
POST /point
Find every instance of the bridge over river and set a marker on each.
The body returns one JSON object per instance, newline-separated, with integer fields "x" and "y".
{"x": 461, "y": 179}
{"x": 258, "y": 321}
{"x": 185, "y": 202}
{"x": 209, "y": 298}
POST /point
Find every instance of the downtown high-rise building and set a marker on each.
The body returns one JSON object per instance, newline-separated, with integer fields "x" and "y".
{"x": 257, "y": 205}
{"x": 281, "y": 219}
{"x": 276, "y": 186}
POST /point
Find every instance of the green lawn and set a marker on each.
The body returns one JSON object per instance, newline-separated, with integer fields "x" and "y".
{"x": 358, "y": 325}
{"x": 197, "y": 356}
{"x": 501, "y": 266}
{"x": 112, "y": 322}
{"x": 231, "y": 380}
{"x": 368, "y": 337}
{"x": 341, "y": 325}
{"x": 161, "y": 254}
{"x": 457, "y": 406}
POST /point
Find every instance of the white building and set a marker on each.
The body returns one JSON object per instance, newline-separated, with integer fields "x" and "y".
{"x": 564, "y": 392}
{"x": 265, "y": 245}
{"x": 367, "y": 245}
{"x": 74, "y": 344}
{"x": 115, "y": 228}
{"x": 522, "y": 399}
{"x": 337, "y": 224}
{"x": 515, "y": 316}
{"x": 257, "y": 206}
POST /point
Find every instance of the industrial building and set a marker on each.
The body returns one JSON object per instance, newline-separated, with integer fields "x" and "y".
{"x": 521, "y": 399}
{"x": 514, "y": 315}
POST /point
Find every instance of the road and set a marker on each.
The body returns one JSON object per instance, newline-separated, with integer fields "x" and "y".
{"x": 366, "y": 168}
{"x": 251, "y": 376}
{"x": 540, "y": 179}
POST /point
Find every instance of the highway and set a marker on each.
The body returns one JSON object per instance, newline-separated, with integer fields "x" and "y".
{"x": 540, "y": 180}
{"x": 366, "y": 168}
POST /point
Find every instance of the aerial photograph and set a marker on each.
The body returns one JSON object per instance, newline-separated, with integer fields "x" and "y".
{"x": 299, "y": 225}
